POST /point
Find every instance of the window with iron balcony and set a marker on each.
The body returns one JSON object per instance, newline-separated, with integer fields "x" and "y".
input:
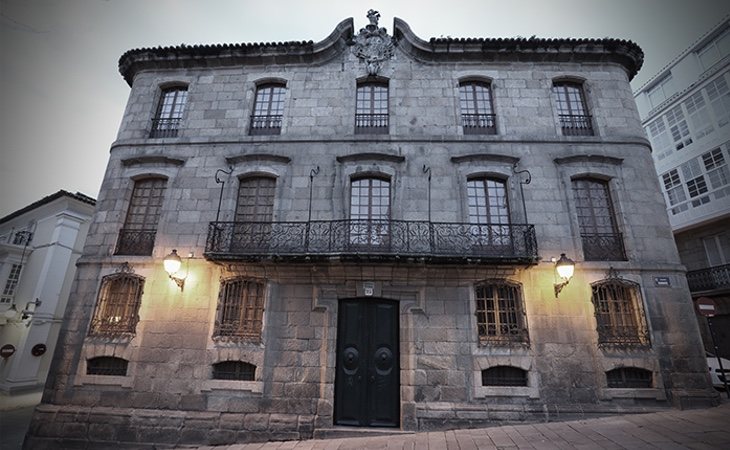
{"x": 572, "y": 110}
{"x": 371, "y": 111}
{"x": 137, "y": 237}
{"x": 169, "y": 112}
{"x": 477, "y": 109}
{"x": 268, "y": 110}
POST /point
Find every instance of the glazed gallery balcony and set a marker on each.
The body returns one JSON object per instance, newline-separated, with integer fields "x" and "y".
{"x": 372, "y": 240}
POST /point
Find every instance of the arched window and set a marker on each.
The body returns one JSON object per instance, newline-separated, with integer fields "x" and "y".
{"x": 477, "y": 110}
{"x": 619, "y": 313}
{"x": 137, "y": 237}
{"x": 169, "y": 112}
{"x": 240, "y": 310}
{"x": 234, "y": 370}
{"x": 500, "y": 313}
{"x": 597, "y": 220}
{"x": 629, "y": 377}
{"x": 117, "y": 308}
{"x": 504, "y": 376}
{"x": 371, "y": 108}
{"x": 572, "y": 109}
{"x": 369, "y": 211}
{"x": 107, "y": 365}
{"x": 268, "y": 109}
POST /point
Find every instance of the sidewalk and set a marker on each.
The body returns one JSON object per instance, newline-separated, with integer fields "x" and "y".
{"x": 668, "y": 430}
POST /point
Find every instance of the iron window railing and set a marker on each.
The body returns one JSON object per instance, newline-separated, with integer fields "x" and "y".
{"x": 117, "y": 307}
{"x": 371, "y": 123}
{"x": 266, "y": 125}
{"x": 716, "y": 277}
{"x": 620, "y": 315}
{"x": 603, "y": 247}
{"x": 500, "y": 314}
{"x": 165, "y": 128}
{"x": 135, "y": 242}
{"x": 576, "y": 125}
{"x": 372, "y": 238}
{"x": 479, "y": 123}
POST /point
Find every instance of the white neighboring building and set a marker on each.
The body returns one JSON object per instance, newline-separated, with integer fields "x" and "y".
{"x": 685, "y": 110}
{"x": 39, "y": 246}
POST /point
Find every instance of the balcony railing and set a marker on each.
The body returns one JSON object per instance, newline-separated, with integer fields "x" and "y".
{"x": 717, "y": 277}
{"x": 164, "y": 128}
{"x": 266, "y": 125}
{"x": 135, "y": 242}
{"x": 603, "y": 247}
{"x": 371, "y": 123}
{"x": 574, "y": 125}
{"x": 372, "y": 239}
{"x": 479, "y": 123}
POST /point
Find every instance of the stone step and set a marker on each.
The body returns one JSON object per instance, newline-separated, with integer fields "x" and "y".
{"x": 338, "y": 432}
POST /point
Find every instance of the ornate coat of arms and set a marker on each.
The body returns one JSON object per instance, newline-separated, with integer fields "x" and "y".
{"x": 372, "y": 44}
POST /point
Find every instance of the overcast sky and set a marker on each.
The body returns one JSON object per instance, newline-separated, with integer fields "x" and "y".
{"x": 62, "y": 97}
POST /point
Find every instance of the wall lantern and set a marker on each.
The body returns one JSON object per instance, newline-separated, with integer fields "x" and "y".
{"x": 172, "y": 263}
{"x": 564, "y": 268}
{"x": 12, "y": 313}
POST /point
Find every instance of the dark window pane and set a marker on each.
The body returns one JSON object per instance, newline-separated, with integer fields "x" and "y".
{"x": 504, "y": 376}
{"x": 371, "y": 108}
{"x": 619, "y": 313}
{"x": 599, "y": 232}
{"x": 477, "y": 111}
{"x": 268, "y": 110}
{"x": 169, "y": 112}
{"x": 234, "y": 370}
{"x": 140, "y": 227}
{"x": 117, "y": 308}
{"x": 500, "y": 313}
{"x": 572, "y": 110}
{"x": 106, "y": 365}
{"x": 240, "y": 310}
{"x": 629, "y": 377}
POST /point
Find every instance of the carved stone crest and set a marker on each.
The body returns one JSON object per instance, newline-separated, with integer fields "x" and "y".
{"x": 373, "y": 44}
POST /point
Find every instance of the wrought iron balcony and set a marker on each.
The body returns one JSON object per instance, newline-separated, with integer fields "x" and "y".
{"x": 372, "y": 239}
{"x": 479, "y": 123}
{"x": 164, "y": 128}
{"x": 575, "y": 125}
{"x": 266, "y": 125}
{"x": 711, "y": 278}
{"x": 603, "y": 247}
{"x": 135, "y": 242}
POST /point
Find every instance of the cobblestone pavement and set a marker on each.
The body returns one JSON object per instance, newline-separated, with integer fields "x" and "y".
{"x": 668, "y": 430}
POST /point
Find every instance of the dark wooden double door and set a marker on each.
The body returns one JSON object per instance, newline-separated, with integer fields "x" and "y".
{"x": 367, "y": 381}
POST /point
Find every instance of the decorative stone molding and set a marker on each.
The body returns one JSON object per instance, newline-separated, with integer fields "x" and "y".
{"x": 373, "y": 45}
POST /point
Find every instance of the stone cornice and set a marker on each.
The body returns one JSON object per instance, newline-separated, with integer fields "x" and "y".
{"x": 625, "y": 53}
{"x": 220, "y": 55}
{"x": 619, "y": 51}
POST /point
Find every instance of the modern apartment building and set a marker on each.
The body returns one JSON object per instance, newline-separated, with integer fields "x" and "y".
{"x": 372, "y": 230}
{"x": 685, "y": 110}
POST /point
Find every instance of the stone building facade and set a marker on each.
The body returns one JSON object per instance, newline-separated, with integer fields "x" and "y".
{"x": 364, "y": 227}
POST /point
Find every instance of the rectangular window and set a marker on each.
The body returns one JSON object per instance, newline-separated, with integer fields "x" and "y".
{"x": 169, "y": 112}
{"x": 673, "y": 187}
{"x": 11, "y": 283}
{"x": 500, "y": 313}
{"x": 117, "y": 307}
{"x": 598, "y": 229}
{"x": 661, "y": 91}
{"x": 717, "y": 248}
{"x": 477, "y": 111}
{"x": 268, "y": 111}
{"x": 678, "y": 127}
{"x": 140, "y": 227}
{"x": 719, "y": 95}
{"x": 660, "y": 139}
{"x": 371, "y": 110}
{"x": 715, "y": 50}
{"x": 699, "y": 115}
{"x": 488, "y": 213}
{"x": 572, "y": 109}
{"x": 717, "y": 169}
{"x": 254, "y": 214}
{"x": 240, "y": 310}
{"x": 369, "y": 212}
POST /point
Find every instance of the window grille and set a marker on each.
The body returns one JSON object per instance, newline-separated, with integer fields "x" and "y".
{"x": 140, "y": 227}
{"x": 598, "y": 229}
{"x": 371, "y": 110}
{"x": 629, "y": 377}
{"x": 504, "y": 376}
{"x": 572, "y": 109}
{"x": 477, "y": 110}
{"x": 268, "y": 110}
{"x": 234, "y": 370}
{"x": 169, "y": 112}
{"x": 619, "y": 313}
{"x": 240, "y": 310}
{"x": 107, "y": 365}
{"x": 500, "y": 313}
{"x": 117, "y": 308}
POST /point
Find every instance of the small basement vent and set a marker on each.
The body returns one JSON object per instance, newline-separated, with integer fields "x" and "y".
{"x": 504, "y": 376}
{"x": 234, "y": 370}
{"x": 107, "y": 365}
